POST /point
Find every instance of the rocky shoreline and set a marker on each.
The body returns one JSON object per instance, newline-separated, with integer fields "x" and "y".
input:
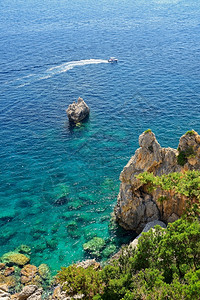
{"x": 137, "y": 209}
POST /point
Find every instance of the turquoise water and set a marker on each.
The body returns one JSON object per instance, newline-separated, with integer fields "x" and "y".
{"x": 51, "y": 53}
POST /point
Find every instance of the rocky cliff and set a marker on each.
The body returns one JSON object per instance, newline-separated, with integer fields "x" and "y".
{"x": 136, "y": 206}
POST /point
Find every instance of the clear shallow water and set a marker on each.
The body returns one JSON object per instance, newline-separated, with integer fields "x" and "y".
{"x": 50, "y": 54}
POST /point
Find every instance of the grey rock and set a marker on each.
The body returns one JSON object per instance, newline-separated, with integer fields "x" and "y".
{"x": 30, "y": 292}
{"x": 77, "y": 112}
{"x": 37, "y": 295}
{"x": 88, "y": 263}
{"x": 172, "y": 218}
{"x": 147, "y": 227}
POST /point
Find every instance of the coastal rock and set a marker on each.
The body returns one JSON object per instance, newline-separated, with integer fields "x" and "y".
{"x": 135, "y": 206}
{"x": 4, "y": 295}
{"x": 30, "y": 276}
{"x": 30, "y": 292}
{"x": 58, "y": 294}
{"x": 2, "y": 266}
{"x": 8, "y": 271}
{"x": 27, "y": 291}
{"x": 8, "y": 281}
{"x": 89, "y": 263}
{"x": 77, "y": 112}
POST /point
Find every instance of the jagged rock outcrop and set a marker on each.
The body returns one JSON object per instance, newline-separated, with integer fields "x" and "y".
{"x": 77, "y": 112}
{"x": 135, "y": 206}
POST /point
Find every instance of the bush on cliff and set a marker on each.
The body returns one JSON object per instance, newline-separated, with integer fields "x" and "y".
{"x": 77, "y": 280}
{"x": 165, "y": 265}
{"x": 185, "y": 184}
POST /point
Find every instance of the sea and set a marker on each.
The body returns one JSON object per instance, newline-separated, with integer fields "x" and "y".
{"x": 59, "y": 183}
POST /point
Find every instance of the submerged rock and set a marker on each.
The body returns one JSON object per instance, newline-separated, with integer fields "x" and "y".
{"x": 60, "y": 201}
{"x": 44, "y": 271}
{"x": 94, "y": 246}
{"x": 14, "y": 258}
{"x": 24, "y": 249}
{"x": 77, "y": 112}
{"x": 109, "y": 250}
{"x": 135, "y": 205}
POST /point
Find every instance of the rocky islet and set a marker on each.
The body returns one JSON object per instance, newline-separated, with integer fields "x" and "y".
{"x": 77, "y": 112}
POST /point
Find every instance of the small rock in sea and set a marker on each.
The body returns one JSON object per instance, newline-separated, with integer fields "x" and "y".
{"x": 77, "y": 112}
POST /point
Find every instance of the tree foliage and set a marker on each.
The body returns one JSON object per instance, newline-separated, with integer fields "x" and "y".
{"x": 165, "y": 265}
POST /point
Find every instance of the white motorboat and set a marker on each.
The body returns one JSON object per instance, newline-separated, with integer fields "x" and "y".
{"x": 112, "y": 60}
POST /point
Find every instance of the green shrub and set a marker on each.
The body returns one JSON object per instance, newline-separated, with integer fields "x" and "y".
{"x": 77, "y": 280}
{"x": 181, "y": 158}
{"x": 190, "y": 132}
{"x": 183, "y": 155}
{"x": 187, "y": 184}
{"x": 148, "y": 130}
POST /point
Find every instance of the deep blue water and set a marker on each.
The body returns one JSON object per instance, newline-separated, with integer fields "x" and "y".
{"x": 45, "y": 52}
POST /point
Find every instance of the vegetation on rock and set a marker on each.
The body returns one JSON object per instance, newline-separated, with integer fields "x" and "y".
{"x": 183, "y": 155}
{"x": 185, "y": 184}
{"x": 190, "y": 132}
{"x": 148, "y": 130}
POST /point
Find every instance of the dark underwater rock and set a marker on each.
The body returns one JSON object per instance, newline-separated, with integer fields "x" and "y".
{"x": 60, "y": 201}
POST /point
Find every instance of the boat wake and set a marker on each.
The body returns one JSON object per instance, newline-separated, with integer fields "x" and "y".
{"x": 26, "y": 80}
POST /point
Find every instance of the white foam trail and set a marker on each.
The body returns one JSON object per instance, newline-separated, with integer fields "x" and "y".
{"x": 63, "y": 68}
{"x": 70, "y": 65}
{"x": 18, "y": 79}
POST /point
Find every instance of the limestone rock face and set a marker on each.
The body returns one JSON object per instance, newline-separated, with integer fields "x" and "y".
{"x": 135, "y": 206}
{"x": 77, "y": 112}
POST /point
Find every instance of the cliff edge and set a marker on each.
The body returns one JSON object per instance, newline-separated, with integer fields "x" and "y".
{"x": 136, "y": 206}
